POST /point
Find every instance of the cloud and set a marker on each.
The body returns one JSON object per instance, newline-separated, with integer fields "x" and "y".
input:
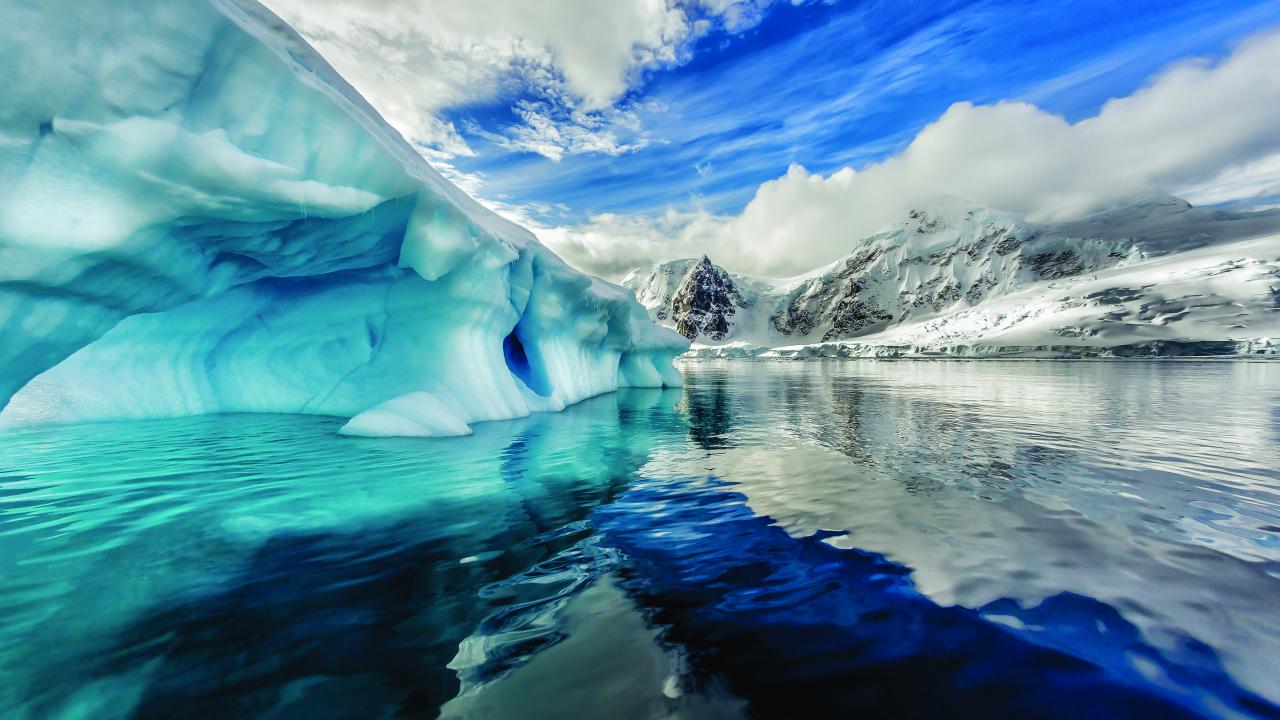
{"x": 610, "y": 245}
{"x": 554, "y": 131}
{"x": 1206, "y": 129}
{"x": 739, "y": 15}
{"x": 1256, "y": 180}
{"x": 414, "y": 59}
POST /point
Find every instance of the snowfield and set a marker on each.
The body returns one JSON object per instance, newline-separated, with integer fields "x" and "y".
{"x": 1158, "y": 278}
{"x": 1225, "y": 297}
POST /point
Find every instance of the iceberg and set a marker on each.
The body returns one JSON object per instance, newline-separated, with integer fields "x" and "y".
{"x": 198, "y": 215}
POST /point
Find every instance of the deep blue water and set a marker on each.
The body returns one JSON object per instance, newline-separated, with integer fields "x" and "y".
{"x": 803, "y": 539}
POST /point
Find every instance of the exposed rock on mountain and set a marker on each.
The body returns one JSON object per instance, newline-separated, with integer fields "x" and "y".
{"x": 949, "y": 258}
{"x": 705, "y": 303}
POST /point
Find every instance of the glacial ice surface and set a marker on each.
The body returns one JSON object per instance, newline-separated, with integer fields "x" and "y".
{"x": 198, "y": 215}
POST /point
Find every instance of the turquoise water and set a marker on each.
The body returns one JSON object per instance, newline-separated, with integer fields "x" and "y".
{"x": 899, "y": 539}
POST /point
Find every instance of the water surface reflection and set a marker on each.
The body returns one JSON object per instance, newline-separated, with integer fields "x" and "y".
{"x": 777, "y": 539}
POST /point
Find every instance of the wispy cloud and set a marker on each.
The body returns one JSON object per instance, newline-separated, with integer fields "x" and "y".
{"x": 830, "y": 87}
{"x": 1198, "y": 126}
{"x": 640, "y": 130}
{"x": 554, "y": 130}
{"x": 415, "y": 59}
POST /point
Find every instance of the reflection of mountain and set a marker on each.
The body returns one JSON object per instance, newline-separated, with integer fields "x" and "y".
{"x": 710, "y": 416}
{"x": 800, "y": 629}
{"x": 1022, "y": 480}
{"x": 1158, "y": 277}
{"x": 812, "y": 539}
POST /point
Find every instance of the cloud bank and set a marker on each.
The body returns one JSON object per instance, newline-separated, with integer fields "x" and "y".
{"x": 1206, "y": 131}
{"x": 414, "y": 59}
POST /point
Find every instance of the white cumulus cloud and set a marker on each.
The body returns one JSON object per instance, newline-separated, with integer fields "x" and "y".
{"x": 414, "y": 59}
{"x": 1207, "y": 130}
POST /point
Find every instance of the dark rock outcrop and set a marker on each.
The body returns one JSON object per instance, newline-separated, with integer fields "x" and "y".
{"x": 705, "y": 302}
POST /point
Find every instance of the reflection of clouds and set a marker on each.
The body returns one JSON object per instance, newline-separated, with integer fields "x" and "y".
{"x": 800, "y": 629}
{"x": 1274, "y": 399}
{"x": 1143, "y": 485}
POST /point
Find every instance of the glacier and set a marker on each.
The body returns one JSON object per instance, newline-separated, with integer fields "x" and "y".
{"x": 198, "y": 215}
{"x": 1157, "y": 277}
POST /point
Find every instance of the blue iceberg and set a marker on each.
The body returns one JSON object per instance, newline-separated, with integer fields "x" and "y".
{"x": 199, "y": 215}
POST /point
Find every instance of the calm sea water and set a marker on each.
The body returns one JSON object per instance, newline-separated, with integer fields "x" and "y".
{"x": 804, "y": 539}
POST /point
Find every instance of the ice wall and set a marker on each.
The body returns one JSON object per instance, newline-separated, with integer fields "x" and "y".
{"x": 198, "y": 215}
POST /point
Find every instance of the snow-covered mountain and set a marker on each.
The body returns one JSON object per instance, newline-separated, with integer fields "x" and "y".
{"x": 697, "y": 298}
{"x": 951, "y": 276}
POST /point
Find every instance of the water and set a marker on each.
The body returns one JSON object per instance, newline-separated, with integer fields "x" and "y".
{"x": 905, "y": 539}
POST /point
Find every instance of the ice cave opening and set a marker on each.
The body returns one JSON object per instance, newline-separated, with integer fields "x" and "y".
{"x": 222, "y": 224}
{"x": 518, "y": 362}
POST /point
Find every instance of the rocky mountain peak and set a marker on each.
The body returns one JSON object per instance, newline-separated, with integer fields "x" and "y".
{"x": 705, "y": 302}
{"x": 938, "y": 257}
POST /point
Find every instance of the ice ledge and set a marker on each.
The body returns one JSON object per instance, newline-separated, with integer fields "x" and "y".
{"x": 415, "y": 414}
{"x": 214, "y": 221}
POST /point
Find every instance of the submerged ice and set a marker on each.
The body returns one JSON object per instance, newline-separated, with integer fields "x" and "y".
{"x": 198, "y": 215}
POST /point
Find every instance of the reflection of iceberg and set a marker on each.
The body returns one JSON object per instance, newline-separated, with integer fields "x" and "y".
{"x": 198, "y": 215}
{"x": 213, "y": 566}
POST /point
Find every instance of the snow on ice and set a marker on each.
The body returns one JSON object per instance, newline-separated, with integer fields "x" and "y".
{"x": 198, "y": 215}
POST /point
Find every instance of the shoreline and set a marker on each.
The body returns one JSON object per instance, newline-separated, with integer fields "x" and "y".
{"x": 1256, "y": 349}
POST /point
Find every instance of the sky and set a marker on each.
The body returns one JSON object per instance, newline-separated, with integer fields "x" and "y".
{"x": 773, "y": 134}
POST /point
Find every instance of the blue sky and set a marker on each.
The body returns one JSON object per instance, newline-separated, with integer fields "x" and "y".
{"x": 845, "y": 84}
{"x": 774, "y": 134}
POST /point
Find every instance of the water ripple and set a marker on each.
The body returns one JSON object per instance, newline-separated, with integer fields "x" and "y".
{"x": 885, "y": 538}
